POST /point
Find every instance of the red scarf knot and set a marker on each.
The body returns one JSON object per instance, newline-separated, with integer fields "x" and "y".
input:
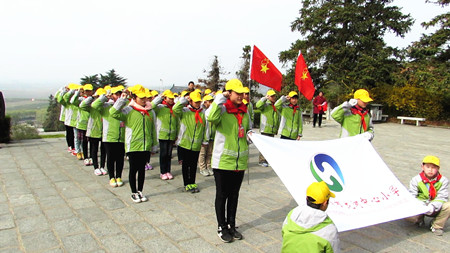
{"x": 295, "y": 107}
{"x": 169, "y": 106}
{"x": 237, "y": 111}
{"x": 198, "y": 118}
{"x": 143, "y": 111}
{"x": 361, "y": 112}
{"x": 274, "y": 108}
{"x": 425, "y": 180}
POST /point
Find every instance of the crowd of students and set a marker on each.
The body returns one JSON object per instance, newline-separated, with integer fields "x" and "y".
{"x": 208, "y": 128}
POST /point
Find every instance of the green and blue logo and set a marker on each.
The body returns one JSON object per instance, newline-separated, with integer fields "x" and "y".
{"x": 318, "y": 169}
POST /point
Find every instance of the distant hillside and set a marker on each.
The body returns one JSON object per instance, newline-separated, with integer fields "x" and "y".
{"x": 19, "y": 104}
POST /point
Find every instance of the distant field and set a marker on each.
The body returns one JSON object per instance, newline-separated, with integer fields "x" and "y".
{"x": 20, "y": 104}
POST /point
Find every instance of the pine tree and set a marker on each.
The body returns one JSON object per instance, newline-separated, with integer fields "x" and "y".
{"x": 213, "y": 80}
{"x": 244, "y": 73}
{"x": 52, "y": 122}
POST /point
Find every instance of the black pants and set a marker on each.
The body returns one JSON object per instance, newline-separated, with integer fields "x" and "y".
{"x": 189, "y": 165}
{"x": 94, "y": 142}
{"x": 317, "y": 115}
{"x": 115, "y": 152}
{"x": 165, "y": 155}
{"x": 228, "y": 184}
{"x": 69, "y": 137}
{"x": 137, "y": 162}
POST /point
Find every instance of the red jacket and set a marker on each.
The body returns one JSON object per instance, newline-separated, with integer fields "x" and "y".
{"x": 317, "y": 102}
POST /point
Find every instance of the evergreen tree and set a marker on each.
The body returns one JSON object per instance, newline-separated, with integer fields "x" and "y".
{"x": 342, "y": 42}
{"x": 213, "y": 80}
{"x": 52, "y": 122}
{"x": 94, "y": 80}
{"x": 111, "y": 78}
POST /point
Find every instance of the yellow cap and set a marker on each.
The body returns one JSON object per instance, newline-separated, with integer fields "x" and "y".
{"x": 168, "y": 94}
{"x": 320, "y": 192}
{"x": 100, "y": 91}
{"x": 175, "y": 94}
{"x": 107, "y": 87}
{"x": 154, "y": 93}
{"x": 207, "y": 91}
{"x": 363, "y": 95}
{"x": 184, "y": 93}
{"x": 292, "y": 94}
{"x": 148, "y": 94}
{"x": 431, "y": 159}
{"x": 135, "y": 88}
{"x": 244, "y": 101}
{"x": 88, "y": 86}
{"x": 198, "y": 90}
{"x": 73, "y": 86}
{"x": 116, "y": 89}
{"x": 270, "y": 92}
{"x": 219, "y": 92}
{"x": 195, "y": 96}
{"x": 235, "y": 85}
{"x": 247, "y": 90}
{"x": 207, "y": 98}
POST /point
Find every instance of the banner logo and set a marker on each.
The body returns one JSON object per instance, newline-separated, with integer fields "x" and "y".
{"x": 318, "y": 169}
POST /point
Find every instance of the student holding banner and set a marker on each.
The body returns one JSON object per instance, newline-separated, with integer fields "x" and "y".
{"x": 270, "y": 119}
{"x": 291, "y": 123}
{"x": 431, "y": 188}
{"x": 230, "y": 155}
{"x": 307, "y": 228}
{"x": 354, "y": 117}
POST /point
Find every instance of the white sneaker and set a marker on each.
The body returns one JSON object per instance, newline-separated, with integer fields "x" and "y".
{"x": 98, "y": 172}
{"x": 86, "y": 162}
{"x": 104, "y": 172}
{"x": 204, "y": 172}
{"x": 211, "y": 172}
{"x": 142, "y": 197}
{"x": 91, "y": 161}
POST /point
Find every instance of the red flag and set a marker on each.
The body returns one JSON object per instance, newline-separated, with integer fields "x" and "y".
{"x": 264, "y": 72}
{"x": 303, "y": 78}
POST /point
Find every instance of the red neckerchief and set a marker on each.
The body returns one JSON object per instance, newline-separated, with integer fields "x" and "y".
{"x": 143, "y": 111}
{"x": 231, "y": 108}
{"x": 361, "y": 112}
{"x": 273, "y": 106}
{"x": 425, "y": 180}
{"x": 168, "y": 106}
{"x": 295, "y": 107}
{"x": 197, "y": 114}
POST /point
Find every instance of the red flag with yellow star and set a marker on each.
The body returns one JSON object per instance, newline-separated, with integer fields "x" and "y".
{"x": 303, "y": 78}
{"x": 264, "y": 72}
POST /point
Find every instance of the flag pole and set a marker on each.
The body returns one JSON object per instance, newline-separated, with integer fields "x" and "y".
{"x": 250, "y": 98}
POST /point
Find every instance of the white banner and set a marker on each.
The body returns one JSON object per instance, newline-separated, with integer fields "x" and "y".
{"x": 367, "y": 192}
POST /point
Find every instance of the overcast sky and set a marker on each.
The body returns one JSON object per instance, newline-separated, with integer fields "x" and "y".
{"x": 46, "y": 44}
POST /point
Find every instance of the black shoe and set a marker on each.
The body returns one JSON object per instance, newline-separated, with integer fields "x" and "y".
{"x": 236, "y": 235}
{"x": 224, "y": 234}
{"x": 135, "y": 197}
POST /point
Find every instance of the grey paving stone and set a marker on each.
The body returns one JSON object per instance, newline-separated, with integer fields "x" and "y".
{"x": 159, "y": 245}
{"x": 8, "y": 238}
{"x": 20, "y": 200}
{"x": 33, "y": 224}
{"x": 27, "y": 211}
{"x": 46, "y": 240}
{"x": 4, "y": 208}
{"x": 79, "y": 243}
{"x": 197, "y": 245}
{"x": 112, "y": 203}
{"x": 104, "y": 228}
{"x": 191, "y": 219}
{"x": 3, "y": 197}
{"x": 59, "y": 213}
{"x": 91, "y": 214}
{"x": 256, "y": 237}
{"x": 52, "y": 202}
{"x": 81, "y": 202}
{"x": 120, "y": 243}
{"x": 158, "y": 218}
{"x": 10, "y": 250}
{"x": 125, "y": 215}
{"x": 48, "y": 191}
{"x": 177, "y": 231}
{"x": 7, "y": 221}
{"x": 236, "y": 246}
{"x": 141, "y": 230}
{"x": 68, "y": 226}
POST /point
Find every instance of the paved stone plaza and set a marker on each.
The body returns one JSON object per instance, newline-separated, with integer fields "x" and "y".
{"x": 50, "y": 202}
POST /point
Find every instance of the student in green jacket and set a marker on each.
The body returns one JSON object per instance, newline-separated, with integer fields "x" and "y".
{"x": 94, "y": 133}
{"x": 190, "y": 136}
{"x": 204, "y": 158}
{"x": 230, "y": 155}
{"x": 167, "y": 130}
{"x": 140, "y": 136}
{"x": 269, "y": 120}
{"x": 113, "y": 135}
{"x": 248, "y": 103}
{"x": 69, "y": 130}
{"x": 291, "y": 123}
{"x": 82, "y": 119}
{"x": 354, "y": 117}
{"x": 71, "y": 117}
{"x": 307, "y": 228}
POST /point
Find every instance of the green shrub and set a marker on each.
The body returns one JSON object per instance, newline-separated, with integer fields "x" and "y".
{"x": 5, "y": 129}
{"x": 23, "y": 132}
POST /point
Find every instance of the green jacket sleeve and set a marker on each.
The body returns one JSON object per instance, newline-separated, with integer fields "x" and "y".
{"x": 178, "y": 107}
{"x": 116, "y": 110}
{"x": 261, "y": 103}
{"x": 214, "y": 114}
{"x": 86, "y": 104}
{"x": 68, "y": 96}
